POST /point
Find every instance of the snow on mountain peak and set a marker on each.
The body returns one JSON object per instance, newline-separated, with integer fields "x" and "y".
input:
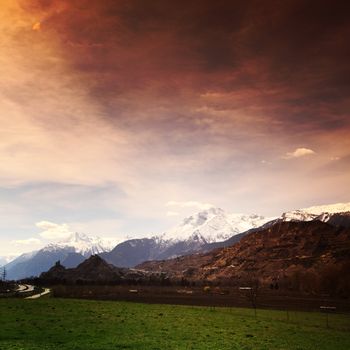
{"x": 202, "y": 217}
{"x": 83, "y": 244}
{"x": 213, "y": 225}
{"x": 298, "y": 215}
{"x": 311, "y": 213}
{"x": 330, "y": 208}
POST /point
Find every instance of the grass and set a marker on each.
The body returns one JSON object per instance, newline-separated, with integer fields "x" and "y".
{"x": 50, "y": 323}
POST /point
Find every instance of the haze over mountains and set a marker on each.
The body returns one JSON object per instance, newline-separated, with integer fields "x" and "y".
{"x": 201, "y": 232}
{"x": 6, "y": 259}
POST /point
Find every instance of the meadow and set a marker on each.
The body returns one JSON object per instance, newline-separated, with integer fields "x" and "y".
{"x": 53, "y": 323}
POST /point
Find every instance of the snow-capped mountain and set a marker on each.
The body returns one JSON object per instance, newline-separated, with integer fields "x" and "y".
{"x": 71, "y": 252}
{"x": 200, "y": 232}
{"x": 82, "y": 244}
{"x": 321, "y": 212}
{"x": 330, "y": 208}
{"x": 194, "y": 233}
{"x": 214, "y": 225}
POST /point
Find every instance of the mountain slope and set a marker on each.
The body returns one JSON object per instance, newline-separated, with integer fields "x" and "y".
{"x": 338, "y": 215}
{"x": 39, "y": 262}
{"x": 192, "y": 235}
{"x": 132, "y": 252}
{"x": 297, "y": 255}
{"x": 4, "y": 260}
{"x": 20, "y": 259}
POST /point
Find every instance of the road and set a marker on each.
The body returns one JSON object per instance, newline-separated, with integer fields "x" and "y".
{"x": 36, "y": 296}
{"x": 25, "y": 288}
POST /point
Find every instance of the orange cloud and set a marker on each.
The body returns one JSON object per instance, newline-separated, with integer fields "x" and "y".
{"x": 299, "y": 152}
{"x": 36, "y": 26}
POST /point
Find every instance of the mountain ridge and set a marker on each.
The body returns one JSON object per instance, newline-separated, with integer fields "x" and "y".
{"x": 194, "y": 233}
{"x": 198, "y": 233}
{"x": 298, "y": 255}
{"x": 71, "y": 251}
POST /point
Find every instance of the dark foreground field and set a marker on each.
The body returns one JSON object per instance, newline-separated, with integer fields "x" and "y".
{"x": 51, "y": 323}
{"x": 216, "y": 296}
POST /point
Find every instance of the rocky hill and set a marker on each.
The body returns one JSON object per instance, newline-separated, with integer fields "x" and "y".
{"x": 91, "y": 271}
{"x": 297, "y": 255}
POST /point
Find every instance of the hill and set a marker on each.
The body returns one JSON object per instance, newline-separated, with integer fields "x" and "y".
{"x": 306, "y": 256}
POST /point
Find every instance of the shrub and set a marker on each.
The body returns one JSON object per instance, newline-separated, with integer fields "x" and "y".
{"x": 206, "y": 289}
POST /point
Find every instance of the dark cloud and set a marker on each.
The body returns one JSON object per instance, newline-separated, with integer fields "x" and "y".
{"x": 288, "y": 59}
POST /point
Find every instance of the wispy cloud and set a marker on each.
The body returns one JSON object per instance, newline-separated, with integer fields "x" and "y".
{"x": 190, "y": 204}
{"x": 53, "y": 231}
{"x": 298, "y": 153}
{"x": 29, "y": 241}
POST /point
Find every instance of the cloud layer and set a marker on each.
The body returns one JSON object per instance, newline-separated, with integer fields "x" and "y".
{"x": 53, "y": 231}
{"x": 109, "y": 109}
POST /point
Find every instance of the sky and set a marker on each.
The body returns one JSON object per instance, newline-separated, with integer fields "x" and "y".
{"x": 120, "y": 117}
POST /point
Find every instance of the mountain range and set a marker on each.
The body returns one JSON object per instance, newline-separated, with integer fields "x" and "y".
{"x": 311, "y": 257}
{"x": 199, "y": 233}
{"x": 212, "y": 229}
{"x": 71, "y": 252}
{"x": 194, "y": 234}
{"x": 305, "y": 256}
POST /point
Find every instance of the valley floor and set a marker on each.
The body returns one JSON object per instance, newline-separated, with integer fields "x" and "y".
{"x": 53, "y": 323}
{"x": 215, "y": 296}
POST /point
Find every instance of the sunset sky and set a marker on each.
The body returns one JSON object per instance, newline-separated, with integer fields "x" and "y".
{"x": 120, "y": 117}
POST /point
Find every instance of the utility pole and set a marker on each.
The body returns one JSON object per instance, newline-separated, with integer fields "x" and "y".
{"x": 4, "y": 274}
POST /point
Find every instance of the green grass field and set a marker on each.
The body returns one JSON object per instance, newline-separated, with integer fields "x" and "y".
{"x": 50, "y": 323}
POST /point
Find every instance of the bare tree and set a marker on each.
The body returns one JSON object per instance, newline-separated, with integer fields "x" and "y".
{"x": 252, "y": 284}
{"x": 251, "y": 291}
